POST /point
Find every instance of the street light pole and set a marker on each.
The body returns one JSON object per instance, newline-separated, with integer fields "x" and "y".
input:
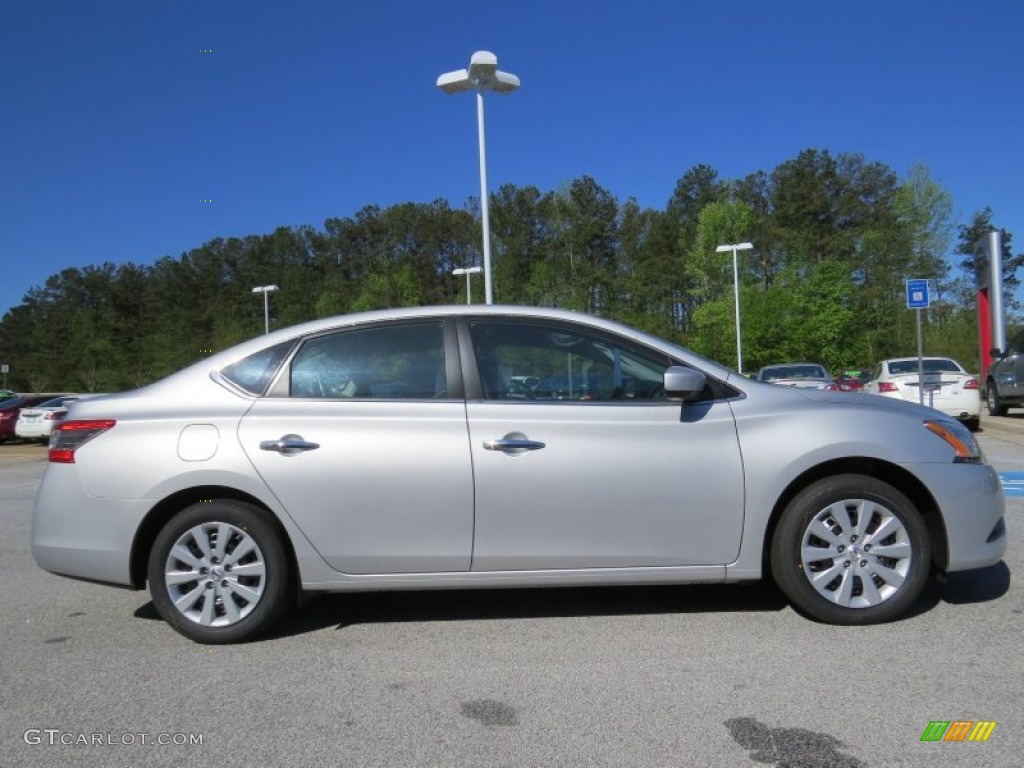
{"x": 467, "y": 271}
{"x": 734, "y": 247}
{"x": 266, "y": 290}
{"x": 483, "y": 75}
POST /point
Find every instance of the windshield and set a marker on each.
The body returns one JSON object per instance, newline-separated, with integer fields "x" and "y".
{"x": 793, "y": 372}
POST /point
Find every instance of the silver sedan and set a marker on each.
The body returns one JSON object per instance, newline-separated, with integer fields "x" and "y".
{"x": 462, "y": 447}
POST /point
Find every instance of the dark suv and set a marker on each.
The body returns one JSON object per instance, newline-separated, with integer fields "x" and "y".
{"x": 1004, "y": 385}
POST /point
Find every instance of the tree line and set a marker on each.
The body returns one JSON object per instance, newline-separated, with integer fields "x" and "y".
{"x": 835, "y": 237}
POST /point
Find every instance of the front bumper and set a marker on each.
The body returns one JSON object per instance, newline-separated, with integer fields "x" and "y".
{"x": 972, "y": 507}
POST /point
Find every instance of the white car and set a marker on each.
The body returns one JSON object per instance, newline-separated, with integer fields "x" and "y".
{"x": 948, "y": 387}
{"x": 37, "y": 422}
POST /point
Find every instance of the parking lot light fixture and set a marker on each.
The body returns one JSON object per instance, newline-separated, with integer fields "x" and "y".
{"x": 266, "y": 290}
{"x": 734, "y": 247}
{"x": 483, "y": 75}
{"x": 468, "y": 272}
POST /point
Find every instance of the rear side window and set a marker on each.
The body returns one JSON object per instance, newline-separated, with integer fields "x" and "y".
{"x": 393, "y": 362}
{"x": 254, "y": 373}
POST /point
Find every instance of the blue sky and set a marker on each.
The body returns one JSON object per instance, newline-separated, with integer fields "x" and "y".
{"x": 117, "y": 124}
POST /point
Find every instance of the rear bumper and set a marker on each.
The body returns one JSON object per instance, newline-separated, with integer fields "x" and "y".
{"x": 76, "y": 535}
{"x": 959, "y": 407}
{"x": 31, "y": 431}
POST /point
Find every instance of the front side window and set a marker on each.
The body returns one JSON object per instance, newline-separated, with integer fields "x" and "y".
{"x": 535, "y": 361}
{"x": 383, "y": 362}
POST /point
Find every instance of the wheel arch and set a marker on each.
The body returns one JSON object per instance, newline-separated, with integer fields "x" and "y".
{"x": 895, "y": 475}
{"x": 163, "y": 511}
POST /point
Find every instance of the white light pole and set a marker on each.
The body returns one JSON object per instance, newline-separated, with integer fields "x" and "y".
{"x": 483, "y": 75}
{"x": 468, "y": 271}
{"x": 736, "y": 288}
{"x": 266, "y": 290}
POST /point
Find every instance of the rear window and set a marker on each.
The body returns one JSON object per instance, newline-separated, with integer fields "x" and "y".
{"x": 57, "y": 402}
{"x": 944, "y": 365}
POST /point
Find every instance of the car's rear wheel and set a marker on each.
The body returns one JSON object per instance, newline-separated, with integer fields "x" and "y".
{"x": 218, "y": 572}
{"x": 851, "y": 549}
{"x": 993, "y": 401}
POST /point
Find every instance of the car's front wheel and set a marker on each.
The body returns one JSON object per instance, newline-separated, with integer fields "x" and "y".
{"x": 851, "y": 549}
{"x": 218, "y": 572}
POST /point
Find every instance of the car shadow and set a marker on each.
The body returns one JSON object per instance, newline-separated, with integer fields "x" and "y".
{"x": 979, "y": 586}
{"x": 346, "y": 609}
{"x": 341, "y": 610}
{"x": 963, "y": 588}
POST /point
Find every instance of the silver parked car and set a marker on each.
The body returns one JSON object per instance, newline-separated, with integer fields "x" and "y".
{"x": 501, "y": 447}
{"x": 803, "y": 375}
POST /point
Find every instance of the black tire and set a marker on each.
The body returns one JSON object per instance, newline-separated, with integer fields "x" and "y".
{"x": 993, "y": 401}
{"x": 973, "y": 424}
{"x": 853, "y": 585}
{"x": 236, "y": 595}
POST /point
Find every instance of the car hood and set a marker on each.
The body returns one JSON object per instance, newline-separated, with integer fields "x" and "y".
{"x": 868, "y": 400}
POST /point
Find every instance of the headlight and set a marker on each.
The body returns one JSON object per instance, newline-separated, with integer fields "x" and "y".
{"x": 965, "y": 447}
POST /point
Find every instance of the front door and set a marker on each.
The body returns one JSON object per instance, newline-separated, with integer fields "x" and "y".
{"x": 580, "y": 462}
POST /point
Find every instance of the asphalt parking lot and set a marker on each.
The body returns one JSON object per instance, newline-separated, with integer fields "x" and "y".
{"x": 667, "y": 676}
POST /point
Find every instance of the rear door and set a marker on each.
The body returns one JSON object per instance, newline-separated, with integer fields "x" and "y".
{"x": 366, "y": 447}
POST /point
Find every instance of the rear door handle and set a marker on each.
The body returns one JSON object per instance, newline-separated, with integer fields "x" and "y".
{"x": 289, "y": 445}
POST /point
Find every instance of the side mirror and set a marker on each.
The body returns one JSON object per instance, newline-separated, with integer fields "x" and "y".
{"x": 996, "y": 352}
{"x": 682, "y": 383}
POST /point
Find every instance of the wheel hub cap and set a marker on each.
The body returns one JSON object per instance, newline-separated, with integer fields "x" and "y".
{"x": 856, "y": 553}
{"x": 215, "y": 574}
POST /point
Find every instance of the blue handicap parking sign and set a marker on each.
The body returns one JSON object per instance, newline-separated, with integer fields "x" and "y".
{"x": 917, "y": 294}
{"x": 1013, "y": 483}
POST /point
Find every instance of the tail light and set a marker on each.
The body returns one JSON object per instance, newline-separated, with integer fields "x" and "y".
{"x": 971, "y": 384}
{"x": 887, "y": 386}
{"x": 53, "y": 416}
{"x": 69, "y": 436}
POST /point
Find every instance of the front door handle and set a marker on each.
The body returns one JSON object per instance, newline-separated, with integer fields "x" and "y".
{"x": 513, "y": 445}
{"x": 289, "y": 445}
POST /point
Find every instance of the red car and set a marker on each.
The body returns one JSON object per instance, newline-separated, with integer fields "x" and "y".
{"x": 853, "y": 381}
{"x": 9, "y": 410}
